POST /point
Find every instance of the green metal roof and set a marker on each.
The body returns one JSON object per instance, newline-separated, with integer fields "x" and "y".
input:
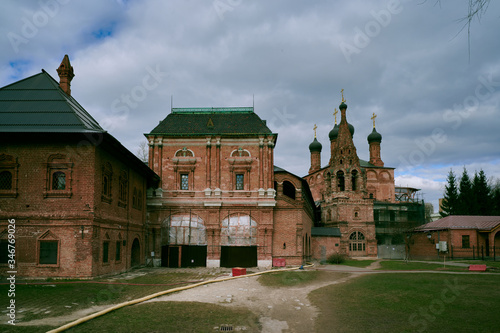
{"x": 38, "y": 104}
{"x": 326, "y": 232}
{"x": 212, "y": 121}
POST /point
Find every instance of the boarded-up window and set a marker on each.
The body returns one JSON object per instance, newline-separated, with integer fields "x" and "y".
{"x": 465, "y": 241}
{"x": 3, "y": 251}
{"x": 48, "y": 252}
{"x": 118, "y": 252}
{"x": 105, "y": 252}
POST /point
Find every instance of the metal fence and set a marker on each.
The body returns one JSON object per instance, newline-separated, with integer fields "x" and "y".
{"x": 476, "y": 252}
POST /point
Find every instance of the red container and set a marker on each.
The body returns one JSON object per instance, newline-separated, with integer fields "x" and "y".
{"x": 279, "y": 262}
{"x": 237, "y": 271}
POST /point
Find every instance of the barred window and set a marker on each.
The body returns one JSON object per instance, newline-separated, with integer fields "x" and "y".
{"x": 240, "y": 181}
{"x": 184, "y": 181}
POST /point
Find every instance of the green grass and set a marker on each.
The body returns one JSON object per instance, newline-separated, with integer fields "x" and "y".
{"x": 297, "y": 278}
{"x": 36, "y": 301}
{"x": 410, "y": 303}
{"x": 171, "y": 317}
{"x": 161, "y": 317}
{"x": 410, "y": 265}
{"x": 288, "y": 278}
{"x": 358, "y": 263}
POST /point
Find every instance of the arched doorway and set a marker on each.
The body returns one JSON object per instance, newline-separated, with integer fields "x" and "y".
{"x": 357, "y": 244}
{"x": 238, "y": 241}
{"x": 135, "y": 253}
{"x": 184, "y": 241}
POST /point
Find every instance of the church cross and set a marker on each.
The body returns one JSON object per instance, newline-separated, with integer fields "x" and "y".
{"x": 342, "y": 92}
{"x": 373, "y": 118}
{"x": 335, "y": 115}
{"x": 315, "y": 127}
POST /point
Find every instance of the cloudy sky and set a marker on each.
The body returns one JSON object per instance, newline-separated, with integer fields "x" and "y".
{"x": 408, "y": 61}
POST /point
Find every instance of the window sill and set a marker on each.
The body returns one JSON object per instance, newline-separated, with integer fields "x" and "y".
{"x": 106, "y": 199}
{"x": 184, "y": 193}
{"x": 8, "y": 194}
{"x": 57, "y": 194}
{"x": 47, "y": 265}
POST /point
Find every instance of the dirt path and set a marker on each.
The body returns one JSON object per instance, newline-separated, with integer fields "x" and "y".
{"x": 286, "y": 308}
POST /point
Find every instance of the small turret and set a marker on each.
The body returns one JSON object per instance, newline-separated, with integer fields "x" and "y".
{"x": 65, "y": 72}
{"x": 374, "y": 140}
{"x": 315, "y": 149}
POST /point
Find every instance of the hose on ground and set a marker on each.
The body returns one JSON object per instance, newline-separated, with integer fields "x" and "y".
{"x": 161, "y": 293}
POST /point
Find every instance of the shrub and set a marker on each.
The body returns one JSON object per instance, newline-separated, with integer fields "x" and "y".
{"x": 336, "y": 258}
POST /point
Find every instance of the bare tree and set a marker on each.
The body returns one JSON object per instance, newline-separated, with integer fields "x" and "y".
{"x": 429, "y": 210}
{"x": 476, "y": 9}
{"x": 142, "y": 151}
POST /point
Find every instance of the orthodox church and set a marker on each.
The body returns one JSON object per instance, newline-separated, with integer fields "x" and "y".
{"x": 351, "y": 193}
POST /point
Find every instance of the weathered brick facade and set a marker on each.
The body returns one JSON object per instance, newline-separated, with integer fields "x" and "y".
{"x": 77, "y": 196}
{"x": 217, "y": 173}
{"x": 79, "y": 218}
{"x": 464, "y": 237}
{"x": 346, "y": 190}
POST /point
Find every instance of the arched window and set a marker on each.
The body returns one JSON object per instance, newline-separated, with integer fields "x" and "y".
{"x": 5, "y": 180}
{"x": 58, "y": 180}
{"x": 357, "y": 242}
{"x": 186, "y": 229}
{"x": 354, "y": 177}
{"x": 123, "y": 189}
{"x": 340, "y": 181}
{"x": 135, "y": 201}
{"x": 240, "y": 152}
{"x": 107, "y": 179}
{"x": 184, "y": 152}
{"x": 239, "y": 229}
{"x": 289, "y": 189}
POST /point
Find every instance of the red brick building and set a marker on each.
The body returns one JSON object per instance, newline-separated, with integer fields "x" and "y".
{"x": 221, "y": 202}
{"x": 77, "y": 196}
{"x": 457, "y": 236}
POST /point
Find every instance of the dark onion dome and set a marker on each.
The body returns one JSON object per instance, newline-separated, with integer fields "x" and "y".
{"x": 334, "y": 132}
{"x": 374, "y": 136}
{"x": 342, "y": 106}
{"x": 315, "y": 146}
{"x": 351, "y": 129}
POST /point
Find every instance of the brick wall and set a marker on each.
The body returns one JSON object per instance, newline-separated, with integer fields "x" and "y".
{"x": 75, "y": 217}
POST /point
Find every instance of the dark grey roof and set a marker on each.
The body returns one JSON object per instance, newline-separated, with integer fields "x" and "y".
{"x": 327, "y": 232}
{"x": 202, "y": 121}
{"x": 38, "y": 104}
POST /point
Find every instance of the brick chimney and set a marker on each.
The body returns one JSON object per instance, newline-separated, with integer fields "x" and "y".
{"x": 65, "y": 72}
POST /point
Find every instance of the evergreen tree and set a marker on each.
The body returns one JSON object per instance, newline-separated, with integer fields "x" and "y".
{"x": 495, "y": 198}
{"x": 450, "y": 199}
{"x": 481, "y": 195}
{"x": 465, "y": 199}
